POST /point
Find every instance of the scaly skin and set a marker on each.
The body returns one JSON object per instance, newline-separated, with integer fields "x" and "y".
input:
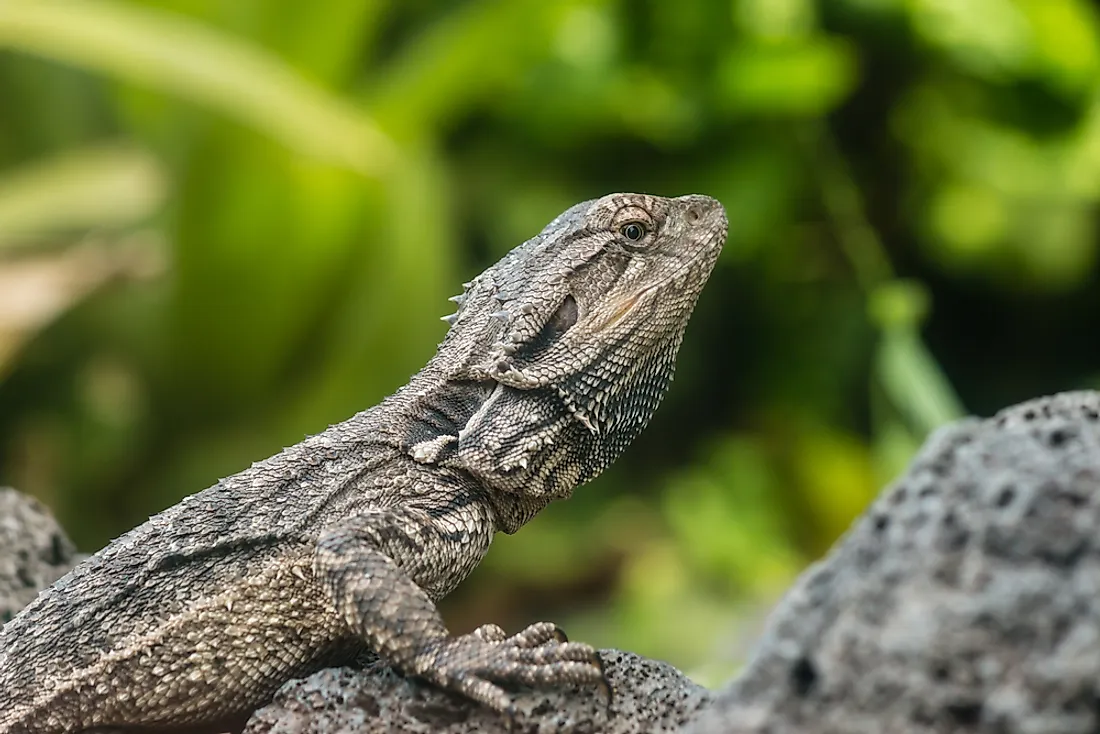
{"x": 555, "y": 361}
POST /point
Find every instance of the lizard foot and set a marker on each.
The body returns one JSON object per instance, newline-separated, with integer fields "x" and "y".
{"x": 475, "y": 665}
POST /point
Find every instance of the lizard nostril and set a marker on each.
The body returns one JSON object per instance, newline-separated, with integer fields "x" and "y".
{"x": 694, "y": 213}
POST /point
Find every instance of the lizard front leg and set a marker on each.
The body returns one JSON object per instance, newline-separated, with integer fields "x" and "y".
{"x": 382, "y": 571}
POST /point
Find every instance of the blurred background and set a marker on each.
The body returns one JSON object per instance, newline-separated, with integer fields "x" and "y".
{"x": 226, "y": 224}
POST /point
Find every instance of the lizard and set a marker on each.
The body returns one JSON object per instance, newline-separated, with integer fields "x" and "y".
{"x": 556, "y": 358}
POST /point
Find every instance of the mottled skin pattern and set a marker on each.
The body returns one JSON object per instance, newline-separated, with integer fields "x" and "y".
{"x": 556, "y": 359}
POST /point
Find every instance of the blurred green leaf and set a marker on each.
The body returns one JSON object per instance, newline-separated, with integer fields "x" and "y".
{"x": 971, "y": 217}
{"x": 775, "y": 18}
{"x": 36, "y": 290}
{"x": 911, "y": 397}
{"x": 182, "y": 57}
{"x": 109, "y": 186}
{"x": 726, "y": 518}
{"x": 1009, "y": 205}
{"x": 914, "y": 382}
{"x": 1065, "y": 34}
{"x": 988, "y": 37}
{"x": 836, "y": 480}
{"x": 898, "y": 304}
{"x": 894, "y": 445}
{"x": 468, "y": 55}
{"x": 801, "y": 78}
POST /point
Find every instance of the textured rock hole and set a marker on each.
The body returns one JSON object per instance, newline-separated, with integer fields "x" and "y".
{"x": 1030, "y": 415}
{"x": 1006, "y": 496}
{"x": 957, "y": 537}
{"x": 1061, "y": 627}
{"x": 366, "y": 703}
{"x": 1073, "y": 499}
{"x": 1019, "y": 634}
{"x": 881, "y": 523}
{"x": 941, "y": 468}
{"x": 1090, "y": 414}
{"x": 1064, "y": 558}
{"x": 900, "y": 495}
{"x": 922, "y": 718}
{"x": 966, "y": 490}
{"x": 58, "y": 556}
{"x": 1083, "y": 702}
{"x": 439, "y": 715}
{"x": 803, "y": 676}
{"x": 948, "y": 575}
{"x": 965, "y": 713}
{"x": 1059, "y": 437}
{"x": 941, "y": 672}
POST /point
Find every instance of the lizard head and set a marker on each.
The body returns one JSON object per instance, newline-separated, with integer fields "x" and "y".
{"x": 574, "y": 336}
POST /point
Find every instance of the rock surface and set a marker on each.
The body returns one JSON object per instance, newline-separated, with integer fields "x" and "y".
{"x": 966, "y": 599}
{"x": 649, "y": 696}
{"x": 34, "y": 551}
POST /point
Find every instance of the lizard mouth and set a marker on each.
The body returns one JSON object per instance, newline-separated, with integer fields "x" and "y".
{"x": 628, "y": 304}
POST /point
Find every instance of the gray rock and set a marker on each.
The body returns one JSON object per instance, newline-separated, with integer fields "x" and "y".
{"x": 649, "y": 696}
{"x": 967, "y": 598}
{"x": 34, "y": 551}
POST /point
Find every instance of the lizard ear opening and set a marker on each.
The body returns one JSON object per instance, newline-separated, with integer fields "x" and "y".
{"x": 563, "y": 319}
{"x": 509, "y": 365}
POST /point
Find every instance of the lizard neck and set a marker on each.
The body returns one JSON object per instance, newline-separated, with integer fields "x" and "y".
{"x": 426, "y": 421}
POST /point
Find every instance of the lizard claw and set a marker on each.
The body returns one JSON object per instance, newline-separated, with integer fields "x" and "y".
{"x": 490, "y": 633}
{"x": 479, "y": 664}
{"x": 539, "y": 633}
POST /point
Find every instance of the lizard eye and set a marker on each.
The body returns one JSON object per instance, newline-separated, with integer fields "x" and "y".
{"x": 633, "y": 231}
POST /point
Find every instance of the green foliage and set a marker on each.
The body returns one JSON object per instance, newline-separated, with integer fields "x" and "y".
{"x": 209, "y": 68}
{"x": 224, "y": 226}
